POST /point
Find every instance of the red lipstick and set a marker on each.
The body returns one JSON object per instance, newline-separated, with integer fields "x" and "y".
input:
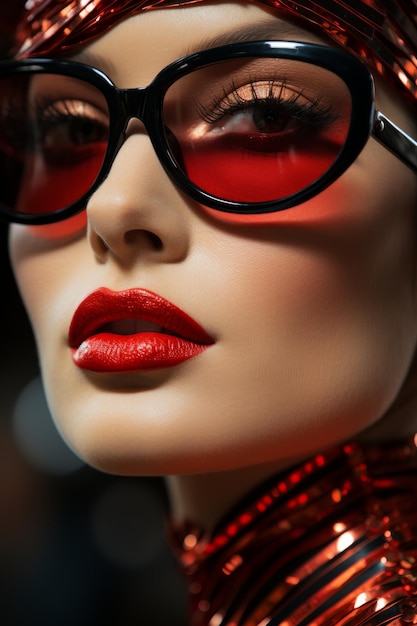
{"x": 131, "y": 331}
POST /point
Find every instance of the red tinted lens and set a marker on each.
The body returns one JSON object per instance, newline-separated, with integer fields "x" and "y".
{"x": 53, "y": 138}
{"x": 257, "y": 130}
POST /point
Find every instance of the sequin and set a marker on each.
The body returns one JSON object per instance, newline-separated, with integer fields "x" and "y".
{"x": 350, "y": 560}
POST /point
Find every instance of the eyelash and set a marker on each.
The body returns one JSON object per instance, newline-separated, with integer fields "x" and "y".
{"x": 313, "y": 114}
{"x": 52, "y": 112}
{"x": 46, "y": 113}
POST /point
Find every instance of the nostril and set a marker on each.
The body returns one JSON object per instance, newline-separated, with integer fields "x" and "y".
{"x": 133, "y": 237}
{"x": 156, "y": 241}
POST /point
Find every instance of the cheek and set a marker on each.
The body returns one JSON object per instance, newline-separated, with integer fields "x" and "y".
{"x": 315, "y": 320}
{"x": 47, "y": 270}
{"x": 56, "y": 233}
{"x": 322, "y": 358}
{"x": 328, "y": 313}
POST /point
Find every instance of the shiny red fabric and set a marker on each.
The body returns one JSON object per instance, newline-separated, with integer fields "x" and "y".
{"x": 383, "y": 32}
{"x": 331, "y": 542}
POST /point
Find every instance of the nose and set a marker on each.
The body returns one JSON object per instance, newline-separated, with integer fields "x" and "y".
{"x": 137, "y": 213}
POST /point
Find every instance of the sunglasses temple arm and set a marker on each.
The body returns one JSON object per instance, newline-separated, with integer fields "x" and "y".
{"x": 395, "y": 139}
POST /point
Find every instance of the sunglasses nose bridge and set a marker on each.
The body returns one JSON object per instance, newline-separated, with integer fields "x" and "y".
{"x": 133, "y": 103}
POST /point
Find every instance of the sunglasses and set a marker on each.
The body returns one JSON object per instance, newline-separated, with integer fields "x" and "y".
{"x": 245, "y": 128}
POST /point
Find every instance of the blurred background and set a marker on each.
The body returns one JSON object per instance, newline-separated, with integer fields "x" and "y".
{"x": 77, "y": 547}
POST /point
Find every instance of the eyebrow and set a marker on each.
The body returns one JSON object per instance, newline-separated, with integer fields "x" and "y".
{"x": 94, "y": 60}
{"x": 264, "y": 30}
{"x": 267, "y": 29}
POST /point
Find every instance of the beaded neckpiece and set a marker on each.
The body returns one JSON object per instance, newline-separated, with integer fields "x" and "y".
{"x": 333, "y": 541}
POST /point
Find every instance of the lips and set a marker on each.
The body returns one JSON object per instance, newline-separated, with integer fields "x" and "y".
{"x": 132, "y": 331}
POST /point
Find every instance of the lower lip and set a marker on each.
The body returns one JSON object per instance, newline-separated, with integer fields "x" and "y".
{"x": 109, "y": 353}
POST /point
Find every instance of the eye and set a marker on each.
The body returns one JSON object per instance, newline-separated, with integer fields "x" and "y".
{"x": 267, "y": 107}
{"x": 258, "y": 129}
{"x": 269, "y": 116}
{"x": 66, "y": 125}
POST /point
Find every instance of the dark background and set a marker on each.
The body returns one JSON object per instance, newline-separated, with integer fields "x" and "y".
{"x": 77, "y": 547}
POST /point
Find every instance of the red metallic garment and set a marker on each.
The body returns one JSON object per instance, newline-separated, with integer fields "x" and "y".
{"x": 383, "y": 32}
{"x": 333, "y": 541}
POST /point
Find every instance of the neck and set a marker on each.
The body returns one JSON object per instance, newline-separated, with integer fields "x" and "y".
{"x": 203, "y": 499}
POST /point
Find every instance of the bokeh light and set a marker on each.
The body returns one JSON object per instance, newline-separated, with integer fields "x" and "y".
{"x": 37, "y": 436}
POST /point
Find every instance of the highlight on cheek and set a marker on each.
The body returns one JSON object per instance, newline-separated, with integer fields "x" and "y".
{"x": 330, "y": 208}
{"x": 67, "y": 228}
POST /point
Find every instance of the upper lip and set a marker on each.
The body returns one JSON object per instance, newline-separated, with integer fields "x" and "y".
{"x": 104, "y": 306}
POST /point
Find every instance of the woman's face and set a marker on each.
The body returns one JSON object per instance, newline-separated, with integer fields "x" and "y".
{"x": 312, "y": 318}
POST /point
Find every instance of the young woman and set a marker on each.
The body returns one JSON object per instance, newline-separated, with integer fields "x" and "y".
{"x": 215, "y": 238}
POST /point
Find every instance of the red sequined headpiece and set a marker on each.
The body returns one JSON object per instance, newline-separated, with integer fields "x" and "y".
{"x": 383, "y": 32}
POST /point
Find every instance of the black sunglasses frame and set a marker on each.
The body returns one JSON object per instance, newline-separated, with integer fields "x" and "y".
{"x": 146, "y": 104}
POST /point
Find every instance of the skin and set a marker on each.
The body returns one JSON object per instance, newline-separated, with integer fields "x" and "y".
{"x": 314, "y": 315}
